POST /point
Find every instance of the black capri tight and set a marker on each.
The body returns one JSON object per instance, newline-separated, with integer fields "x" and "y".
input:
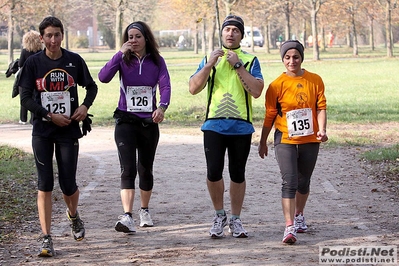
{"x": 238, "y": 147}
{"x": 296, "y": 164}
{"x": 66, "y": 154}
{"x": 144, "y": 138}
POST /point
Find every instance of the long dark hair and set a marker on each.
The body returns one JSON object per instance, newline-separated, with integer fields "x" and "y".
{"x": 151, "y": 45}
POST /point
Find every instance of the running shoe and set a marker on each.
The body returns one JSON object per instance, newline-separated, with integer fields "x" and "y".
{"x": 219, "y": 222}
{"x": 77, "y": 226}
{"x": 300, "y": 224}
{"x": 145, "y": 218}
{"x": 125, "y": 224}
{"x": 236, "y": 229}
{"x": 47, "y": 249}
{"x": 289, "y": 235}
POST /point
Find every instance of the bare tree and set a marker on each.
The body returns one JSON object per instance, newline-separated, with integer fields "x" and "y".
{"x": 229, "y": 4}
{"x": 352, "y": 9}
{"x": 389, "y": 5}
{"x": 313, "y": 6}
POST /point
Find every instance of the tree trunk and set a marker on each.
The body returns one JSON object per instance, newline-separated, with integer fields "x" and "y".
{"x": 371, "y": 36}
{"x": 118, "y": 26}
{"x": 11, "y": 32}
{"x": 304, "y": 35}
{"x": 388, "y": 29}
{"x": 196, "y": 39}
{"x": 203, "y": 39}
{"x": 354, "y": 35}
{"x": 267, "y": 38}
{"x": 211, "y": 41}
{"x": 313, "y": 17}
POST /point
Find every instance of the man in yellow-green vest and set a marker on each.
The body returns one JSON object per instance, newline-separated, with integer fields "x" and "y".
{"x": 233, "y": 77}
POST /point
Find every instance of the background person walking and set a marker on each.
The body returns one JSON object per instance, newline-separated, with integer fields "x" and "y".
{"x": 31, "y": 44}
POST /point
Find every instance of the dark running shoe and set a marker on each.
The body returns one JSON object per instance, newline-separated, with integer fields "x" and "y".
{"x": 47, "y": 249}
{"x": 77, "y": 226}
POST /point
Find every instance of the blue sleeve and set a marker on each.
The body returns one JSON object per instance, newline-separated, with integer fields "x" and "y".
{"x": 255, "y": 69}
{"x": 201, "y": 65}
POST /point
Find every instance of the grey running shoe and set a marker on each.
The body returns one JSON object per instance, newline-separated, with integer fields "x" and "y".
{"x": 219, "y": 222}
{"x": 145, "y": 218}
{"x": 47, "y": 249}
{"x": 236, "y": 229}
{"x": 300, "y": 224}
{"x": 125, "y": 224}
{"x": 289, "y": 235}
{"x": 77, "y": 226}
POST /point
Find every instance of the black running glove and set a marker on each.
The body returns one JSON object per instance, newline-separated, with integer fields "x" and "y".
{"x": 87, "y": 124}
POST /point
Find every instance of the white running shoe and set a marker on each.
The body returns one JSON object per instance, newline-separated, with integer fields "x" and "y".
{"x": 125, "y": 224}
{"x": 300, "y": 224}
{"x": 289, "y": 235}
{"x": 145, "y": 218}
{"x": 219, "y": 222}
{"x": 236, "y": 229}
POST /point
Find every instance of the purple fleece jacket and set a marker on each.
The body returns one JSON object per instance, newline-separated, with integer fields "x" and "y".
{"x": 142, "y": 72}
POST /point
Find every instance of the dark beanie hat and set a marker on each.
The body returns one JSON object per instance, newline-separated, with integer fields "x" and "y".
{"x": 234, "y": 21}
{"x": 291, "y": 44}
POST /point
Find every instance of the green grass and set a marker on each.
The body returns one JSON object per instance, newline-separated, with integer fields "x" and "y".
{"x": 381, "y": 154}
{"x": 17, "y": 189}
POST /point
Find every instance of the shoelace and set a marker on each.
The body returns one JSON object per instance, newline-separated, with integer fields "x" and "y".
{"x": 42, "y": 238}
{"x": 125, "y": 217}
{"x": 237, "y": 224}
{"x": 290, "y": 230}
{"x": 77, "y": 224}
{"x": 217, "y": 221}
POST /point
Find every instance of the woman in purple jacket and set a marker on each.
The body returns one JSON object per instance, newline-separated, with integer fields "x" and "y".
{"x": 141, "y": 70}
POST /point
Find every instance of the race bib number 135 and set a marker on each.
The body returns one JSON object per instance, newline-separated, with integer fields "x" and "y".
{"x": 300, "y": 122}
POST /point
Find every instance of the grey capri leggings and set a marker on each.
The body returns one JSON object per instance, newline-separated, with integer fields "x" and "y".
{"x": 296, "y": 164}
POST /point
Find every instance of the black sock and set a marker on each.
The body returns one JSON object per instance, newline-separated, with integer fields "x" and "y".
{"x": 129, "y": 213}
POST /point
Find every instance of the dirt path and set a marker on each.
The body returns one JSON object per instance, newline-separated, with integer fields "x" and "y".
{"x": 342, "y": 210}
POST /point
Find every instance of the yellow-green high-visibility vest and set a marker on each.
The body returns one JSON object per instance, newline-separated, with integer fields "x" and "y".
{"x": 227, "y": 98}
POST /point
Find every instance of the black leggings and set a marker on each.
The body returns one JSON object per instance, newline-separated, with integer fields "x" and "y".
{"x": 144, "y": 138}
{"x": 66, "y": 154}
{"x": 238, "y": 147}
{"x": 296, "y": 164}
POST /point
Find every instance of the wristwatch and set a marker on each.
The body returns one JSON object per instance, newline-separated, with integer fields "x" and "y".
{"x": 237, "y": 65}
{"x": 162, "y": 108}
{"x": 48, "y": 117}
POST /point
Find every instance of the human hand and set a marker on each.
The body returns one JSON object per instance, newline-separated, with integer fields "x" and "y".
{"x": 158, "y": 115}
{"x": 262, "y": 150}
{"x": 322, "y": 136}
{"x": 60, "y": 120}
{"x": 127, "y": 46}
{"x": 213, "y": 58}
{"x": 80, "y": 113}
{"x": 232, "y": 57}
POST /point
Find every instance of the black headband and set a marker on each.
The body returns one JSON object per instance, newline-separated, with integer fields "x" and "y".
{"x": 291, "y": 44}
{"x": 137, "y": 26}
{"x": 236, "y": 23}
